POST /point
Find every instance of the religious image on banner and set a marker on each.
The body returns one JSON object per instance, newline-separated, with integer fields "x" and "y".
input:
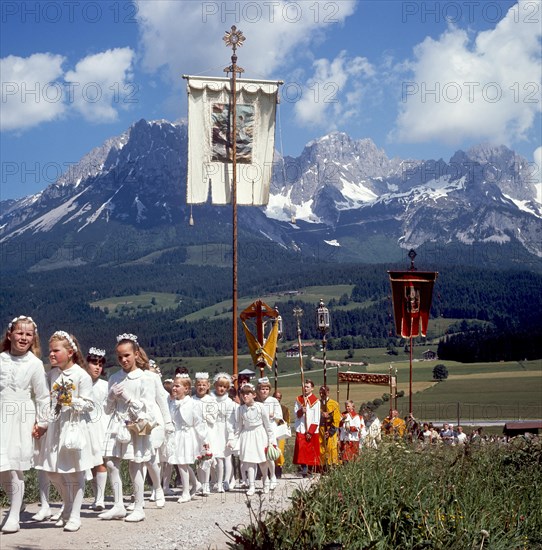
{"x": 412, "y": 294}
{"x": 221, "y": 133}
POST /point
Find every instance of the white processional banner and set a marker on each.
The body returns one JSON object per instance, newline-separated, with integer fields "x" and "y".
{"x": 209, "y": 142}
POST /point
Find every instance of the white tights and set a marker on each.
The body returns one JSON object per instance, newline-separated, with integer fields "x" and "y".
{"x": 71, "y": 488}
{"x": 13, "y": 484}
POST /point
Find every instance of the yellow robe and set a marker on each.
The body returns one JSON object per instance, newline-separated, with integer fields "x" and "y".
{"x": 329, "y": 446}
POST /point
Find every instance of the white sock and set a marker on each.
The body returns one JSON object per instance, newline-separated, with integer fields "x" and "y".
{"x": 100, "y": 481}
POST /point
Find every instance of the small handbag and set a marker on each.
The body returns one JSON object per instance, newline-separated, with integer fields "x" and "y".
{"x": 123, "y": 434}
{"x": 283, "y": 431}
{"x": 272, "y": 453}
{"x": 74, "y": 439}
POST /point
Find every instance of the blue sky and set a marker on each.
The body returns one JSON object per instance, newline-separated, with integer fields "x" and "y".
{"x": 420, "y": 78}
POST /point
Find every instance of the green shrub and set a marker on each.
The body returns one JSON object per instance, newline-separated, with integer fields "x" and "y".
{"x": 405, "y": 497}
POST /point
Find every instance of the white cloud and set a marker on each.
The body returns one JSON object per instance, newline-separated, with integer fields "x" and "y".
{"x": 30, "y": 93}
{"x": 333, "y": 95}
{"x": 101, "y": 83}
{"x": 36, "y": 90}
{"x": 484, "y": 89}
{"x": 186, "y": 37}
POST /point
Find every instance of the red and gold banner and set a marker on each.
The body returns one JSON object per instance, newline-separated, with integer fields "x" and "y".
{"x": 365, "y": 378}
{"x": 412, "y": 293}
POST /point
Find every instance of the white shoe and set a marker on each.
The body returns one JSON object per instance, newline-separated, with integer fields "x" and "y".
{"x": 61, "y": 522}
{"x": 232, "y": 484}
{"x": 251, "y": 490}
{"x": 117, "y": 512}
{"x": 152, "y": 498}
{"x": 42, "y": 514}
{"x": 11, "y": 526}
{"x": 184, "y": 498}
{"x": 136, "y": 515}
{"x": 266, "y": 487}
{"x": 197, "y": 489}
{"x": 220, "y": 488}
{"x": 160, "y": 498}
{"x": 58, "y": 515}
{"x": 98, "y": 506}
{"x": 73, "y": 525}
{"x": 206, "y": 490}
{"x": 273, "y": 485}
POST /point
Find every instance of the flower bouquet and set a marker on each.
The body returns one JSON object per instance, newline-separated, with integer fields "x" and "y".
{"x": 204, "y": 460}
{"x": 62, "y": 393}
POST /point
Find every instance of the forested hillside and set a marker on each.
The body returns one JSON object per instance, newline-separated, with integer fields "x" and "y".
{"x": 509, "y": 303}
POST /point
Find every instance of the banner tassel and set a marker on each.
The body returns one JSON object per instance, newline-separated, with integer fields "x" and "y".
{"x": 191, "y": 221}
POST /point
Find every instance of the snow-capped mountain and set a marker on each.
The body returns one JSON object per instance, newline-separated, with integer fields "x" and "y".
{"x": 339, "y": 193}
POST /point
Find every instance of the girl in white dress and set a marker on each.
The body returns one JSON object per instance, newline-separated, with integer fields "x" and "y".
{"x": 24, "y": 399}
{"x": 68, "y": 449}
{"x": 99, "y": 421}
{"x": 223, "y": 430}
{"x": 191, "y": 437}
{"x": 274, "y": 412}
{"x": 255, "y": 434}
{"x": 209, "y": 412}
{"x": 129, "y": 402}
{"x": 163, "y": 426}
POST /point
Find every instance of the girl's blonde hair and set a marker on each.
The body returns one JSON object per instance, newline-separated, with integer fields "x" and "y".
{"x": 35, "y": 348}
{"x": 184, "y": 380}
{"x": 70, "y": 342}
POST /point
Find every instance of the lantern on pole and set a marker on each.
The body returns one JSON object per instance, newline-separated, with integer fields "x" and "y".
{"x": 280, "y": 329}
{"x": 323, "y": 322}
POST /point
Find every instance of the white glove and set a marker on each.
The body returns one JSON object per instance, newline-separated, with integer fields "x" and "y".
{"x": 120, "y": 391}
{"x": 169, "y": 428}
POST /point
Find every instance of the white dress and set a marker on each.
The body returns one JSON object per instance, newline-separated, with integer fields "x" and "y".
{"x": 209, "y": 411}
{"x": 224, "y": 427}
{"x": 24, "y": 399}
{"x": 53, "y": 456}
{"x": 255, "y": 433}
{"x": 99, "y": 419}
{"x": 141, "y": 394}
{"x": 190, "y": 430}
{"x": 274, "y": 412}
{"x": 160, "y": 409}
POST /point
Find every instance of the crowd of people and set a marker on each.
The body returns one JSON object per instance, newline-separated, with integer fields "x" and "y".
{"x": 73, "y": 426}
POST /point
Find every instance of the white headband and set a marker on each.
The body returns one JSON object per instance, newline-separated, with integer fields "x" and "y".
{"x": 202, "y": 376}
{"x": 66, "y": 336}
{"x": 263, "y": 380}
{"x": 97, "y": 351}
{"x": 22, "y": 318}
{"x": 248, "y": 386}
{"x": 220, "y": 375}
{"x": 183, "y": 375}
{"x": 127, "y": 336}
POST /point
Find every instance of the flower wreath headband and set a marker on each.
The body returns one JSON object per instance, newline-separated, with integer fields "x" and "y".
{"x": 97, "y": 352}
{"x": 63, "y": 334}
{"x": 22, "y": 318}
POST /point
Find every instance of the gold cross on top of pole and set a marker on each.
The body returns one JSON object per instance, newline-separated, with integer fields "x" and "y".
{"x": 234, "y": 38}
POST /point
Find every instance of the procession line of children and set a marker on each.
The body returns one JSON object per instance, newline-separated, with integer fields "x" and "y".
{"x": 74, "y": 427}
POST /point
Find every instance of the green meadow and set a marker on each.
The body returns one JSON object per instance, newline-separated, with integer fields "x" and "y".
{"x": 117, "y": 306}
{"x": 479, "y": 391}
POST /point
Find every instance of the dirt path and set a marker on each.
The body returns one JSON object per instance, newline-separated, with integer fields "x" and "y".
{"x": 176, "y": 526}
